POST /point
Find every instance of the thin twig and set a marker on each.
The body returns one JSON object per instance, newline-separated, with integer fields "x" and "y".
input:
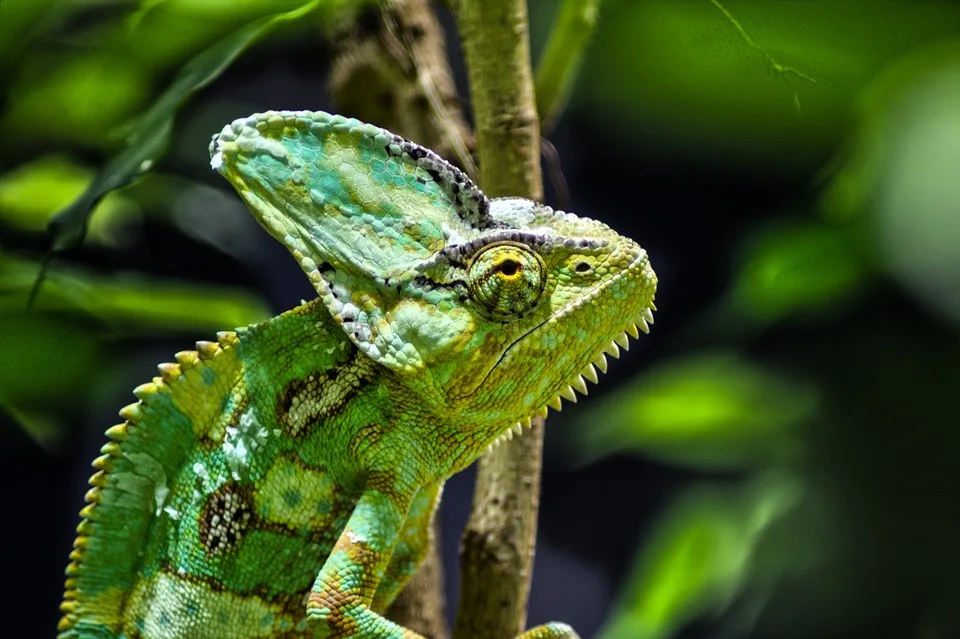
{"x": 562, "y": 57}
{"x": 779, "y": 70}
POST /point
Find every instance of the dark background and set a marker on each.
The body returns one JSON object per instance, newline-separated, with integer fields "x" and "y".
{"x": 778, "y": 458}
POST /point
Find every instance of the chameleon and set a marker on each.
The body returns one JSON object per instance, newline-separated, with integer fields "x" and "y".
{"x": 280, "y": 481}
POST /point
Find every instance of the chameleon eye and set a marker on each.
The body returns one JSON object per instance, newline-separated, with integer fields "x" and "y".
{"x": 508, "y": 267}
{"x": 506, "y": 280}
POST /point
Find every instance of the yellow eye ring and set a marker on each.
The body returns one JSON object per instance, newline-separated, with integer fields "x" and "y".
{"x": 506, "y": 280}
{"x": 508, "y": 268}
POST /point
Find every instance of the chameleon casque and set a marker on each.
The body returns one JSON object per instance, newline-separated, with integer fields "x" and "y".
{"x": 280, "y": 482}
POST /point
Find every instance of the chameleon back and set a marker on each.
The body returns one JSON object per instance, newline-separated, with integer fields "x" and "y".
{"x": 214, "y": 507}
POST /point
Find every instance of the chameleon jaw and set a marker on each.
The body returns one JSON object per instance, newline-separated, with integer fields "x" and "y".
{"x": 578, "y": 383}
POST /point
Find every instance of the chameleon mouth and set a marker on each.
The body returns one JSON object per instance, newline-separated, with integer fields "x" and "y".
{"x": 578, "y": 382}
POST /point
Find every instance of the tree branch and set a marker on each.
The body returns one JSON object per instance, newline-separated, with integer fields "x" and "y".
{"x": 390, "y": 68}
{"x": 421, "y": 604}
{"x": 498, "y": 543}
{"x": 496, "y": 46}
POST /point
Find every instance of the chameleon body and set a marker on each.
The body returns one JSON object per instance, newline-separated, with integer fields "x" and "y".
{"x": 280, "y": 482}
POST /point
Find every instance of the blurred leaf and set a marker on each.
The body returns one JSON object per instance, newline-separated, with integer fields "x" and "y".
{"x": 697, "y": 557}
{"x": 131, "y": 302}
{"x": 43, "y": 428}
{"x": 33, "y": 192}
{"x": 899, "y": 172}
{"x": 54, "y": 349}
{"x": 168, "y": 30}
{"x": 80, "y": 98}
{"x": 149, "y": 137}
{"x": 46, "y": 363}
{"x": 710, "y": 410}
{"x": 18, "y": 19}
{"x": 681, "y": 71}
{"x": 42, "y": 354}
{"x": 797, "y": 267}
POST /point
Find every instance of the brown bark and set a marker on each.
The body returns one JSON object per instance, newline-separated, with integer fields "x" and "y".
{"x": 391, "y": 69}
{"x": 497, "y": 547}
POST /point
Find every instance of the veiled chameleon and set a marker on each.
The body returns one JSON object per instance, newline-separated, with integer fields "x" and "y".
{"x": 280, "y": 482}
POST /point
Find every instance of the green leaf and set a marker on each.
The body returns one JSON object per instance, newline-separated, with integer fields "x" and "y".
{"x": 33, "y": 192}
{"x": 803, "y": 266}
{"x": 698, "y": 557}
{"x": 562, "y": 57}
{"x": 43, "y": 357}
{"x": 78, "y": 98}
{"x": 132, "y": 303}
{"x": 18, "y": 21}
{"x": 55, "y": 348}
{"x": 149, "y": 137}
{"x": 710, "y": 410}
{"x": 898, "y": 175}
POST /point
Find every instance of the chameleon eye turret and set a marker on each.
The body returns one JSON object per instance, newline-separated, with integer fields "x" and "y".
{"x": 259, "y": 485}
{"x": 506, "y": 280}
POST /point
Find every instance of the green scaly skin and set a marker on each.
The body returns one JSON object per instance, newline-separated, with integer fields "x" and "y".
{"x": 281, "y": 481}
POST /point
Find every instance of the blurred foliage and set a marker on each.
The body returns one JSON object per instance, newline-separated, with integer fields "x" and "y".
{"x": 683, "y": 68}
{"x": 796, "y": 267}
{"x": 698, "y": 556}
{"x": 886, "y": 225}
{"x": 57, "y": 346}
{"x": 33, "y": 191}
{"x": 815, "y": 398}
{"x": 129, "y": 303}
{"x": 84, "y": 71}
{"x": 711, "y": 410}
{"x": 148, "y": 137}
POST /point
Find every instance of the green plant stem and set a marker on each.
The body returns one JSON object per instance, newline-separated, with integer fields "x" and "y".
{"x": 562, "y": 57}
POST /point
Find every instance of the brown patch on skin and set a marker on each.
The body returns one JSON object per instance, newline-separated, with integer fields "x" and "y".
{"x": 217, "y": 539}
{"x": 335, "y": 599}
{"x": 382, "y": 481}
{"x": 321, "y": 395}
{"x": 340, "y": 625}
{"x": 226, "y": 517}
{"x": 365, "y": 437}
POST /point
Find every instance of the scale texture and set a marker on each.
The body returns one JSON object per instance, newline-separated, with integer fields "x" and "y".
{"x": 280, "y": 482}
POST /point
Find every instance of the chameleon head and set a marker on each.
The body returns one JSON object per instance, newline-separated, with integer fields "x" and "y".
{"x": 552, "y": 294}
{"x": 488, "y": 310}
